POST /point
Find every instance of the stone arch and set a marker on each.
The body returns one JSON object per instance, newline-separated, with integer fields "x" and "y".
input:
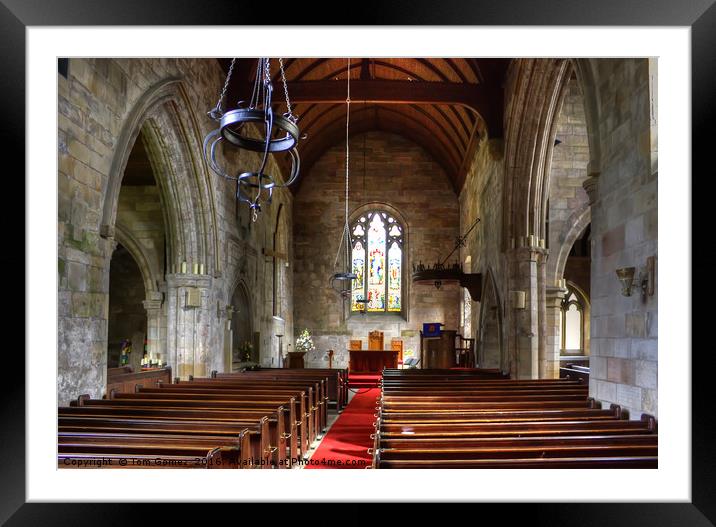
{"x": 491, "y": 349}
{"x": 535, "y": 93}
{"x": 164, "y": 116}
{"x": 586, "y": 77}
{"x": 242, "y": 321}
{"x": 123, "y": 236}
{"x": 579, "y": 221}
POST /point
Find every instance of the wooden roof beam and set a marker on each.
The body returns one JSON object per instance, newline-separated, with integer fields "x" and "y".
{"x": 480, "y": 99}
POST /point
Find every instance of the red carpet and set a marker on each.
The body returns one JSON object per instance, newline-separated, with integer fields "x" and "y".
{"x": 347, "y": 442}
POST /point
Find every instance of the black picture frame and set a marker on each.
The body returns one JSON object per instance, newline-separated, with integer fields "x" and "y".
{"x": 699, "y": 15}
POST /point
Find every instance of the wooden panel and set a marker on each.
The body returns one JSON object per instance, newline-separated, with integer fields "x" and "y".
{"x": 375, "y": 340}
{"x": 372, "y": 361}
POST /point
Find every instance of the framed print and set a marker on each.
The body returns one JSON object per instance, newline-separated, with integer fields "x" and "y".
{"x": 488, "y": 170}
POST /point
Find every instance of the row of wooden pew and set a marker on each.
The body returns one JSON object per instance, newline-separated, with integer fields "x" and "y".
{"x": 481, "y": 419}
{"x": 252, "y": 419}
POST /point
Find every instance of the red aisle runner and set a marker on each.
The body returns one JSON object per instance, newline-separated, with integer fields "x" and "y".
{"x": 347, "y": 442}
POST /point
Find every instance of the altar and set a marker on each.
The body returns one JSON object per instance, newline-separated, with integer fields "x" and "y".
{"x": 375, "y": 358}
{"x": 372, "y": 361}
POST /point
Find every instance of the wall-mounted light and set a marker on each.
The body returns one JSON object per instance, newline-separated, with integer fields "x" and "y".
{"x": 626, "y": 277}
{"x": 645, "y": 281}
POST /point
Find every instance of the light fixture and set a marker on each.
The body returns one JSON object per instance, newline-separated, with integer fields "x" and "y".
{"x": 645, "y": 281}
{"x": 344, "y": 280}
{"x": 626, "y": 277}
{"x": 281, "y": 134}
{"x": 440, "y": 274}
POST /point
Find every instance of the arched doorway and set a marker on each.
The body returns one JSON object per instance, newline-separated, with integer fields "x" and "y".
{"x": 140, "y": 233}
{"x": 490, "y": 354}
{"x": 127, "y": 319}
{"x": 241, "y": 328}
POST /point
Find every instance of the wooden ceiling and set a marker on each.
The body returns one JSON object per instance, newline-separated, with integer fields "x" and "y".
{"x": 441, "y": 104}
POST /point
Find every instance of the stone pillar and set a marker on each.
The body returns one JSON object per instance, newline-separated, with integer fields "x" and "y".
{"x": 523, "y": 329}
{"x": 190, "y": 339}
{"x": 156, "y": 348}
{"x": 553, "y": 332}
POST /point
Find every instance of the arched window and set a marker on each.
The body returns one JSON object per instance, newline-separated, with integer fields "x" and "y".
{"x": 377, "y": 260}
{"x": 572, "y": 323}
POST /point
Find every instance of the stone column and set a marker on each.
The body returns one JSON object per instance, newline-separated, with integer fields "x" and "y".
{"x": 523, "y": 329}
{"x": 191, "y": 342}
{"x": 553, "y": 332}
{"x": 156, "y": 349}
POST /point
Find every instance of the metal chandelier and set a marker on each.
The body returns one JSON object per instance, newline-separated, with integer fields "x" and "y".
{"x": 280, "y": 134}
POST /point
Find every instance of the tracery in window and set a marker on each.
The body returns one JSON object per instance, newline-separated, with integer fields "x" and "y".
{"x": 572, "y": 324}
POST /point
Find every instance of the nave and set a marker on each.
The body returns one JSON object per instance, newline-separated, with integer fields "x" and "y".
{"x": 416, "y": 262}
{"x": 273, "y": 419}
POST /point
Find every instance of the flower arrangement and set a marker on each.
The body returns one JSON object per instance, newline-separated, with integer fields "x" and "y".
{"x": 304, "y": 342}
{"x": 245, "y": 350}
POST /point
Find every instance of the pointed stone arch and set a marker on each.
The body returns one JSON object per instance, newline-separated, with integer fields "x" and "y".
{"x": 123, "y": 236}
{"x": 491, "y": 346}
{"x": 164, "y": 117}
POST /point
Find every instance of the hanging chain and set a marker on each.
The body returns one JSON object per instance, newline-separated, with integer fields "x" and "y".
{"x": 216, "y": 112}
{"x": 348, "y": 118}
{"x": 285, "y": 90}
{"x": 345, "y": 238}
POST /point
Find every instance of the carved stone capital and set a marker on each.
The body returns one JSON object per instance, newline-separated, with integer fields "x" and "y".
{"x": 591, "y": 186}
{"x": 106, "y": 231}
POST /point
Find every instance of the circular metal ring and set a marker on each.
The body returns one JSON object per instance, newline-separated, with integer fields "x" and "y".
{"x": 232, "y": 122}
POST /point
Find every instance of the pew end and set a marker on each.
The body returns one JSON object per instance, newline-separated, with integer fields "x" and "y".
{"x": 651, "y": 422}
{"x": 619, "y": 412}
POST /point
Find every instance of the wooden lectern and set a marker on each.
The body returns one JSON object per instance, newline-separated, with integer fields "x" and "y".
{"x": 295, "y": 359}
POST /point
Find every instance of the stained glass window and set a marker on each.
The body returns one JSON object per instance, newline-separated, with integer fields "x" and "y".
{"x": 377, "y": 261}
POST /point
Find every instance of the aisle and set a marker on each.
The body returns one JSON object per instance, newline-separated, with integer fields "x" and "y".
{"x": 347, "y": 442}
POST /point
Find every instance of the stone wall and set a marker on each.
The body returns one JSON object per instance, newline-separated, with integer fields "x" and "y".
{"x": 102, "y": 105}
{"x": 624, "y": 233}
{"x": 398, "y": 174}
{"x": 481, "y": 197}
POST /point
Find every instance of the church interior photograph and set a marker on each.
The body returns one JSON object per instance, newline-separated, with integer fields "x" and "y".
{"x": 357, "y": 263}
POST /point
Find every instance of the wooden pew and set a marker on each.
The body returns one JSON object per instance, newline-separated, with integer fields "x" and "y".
{"x": 134, "y": 457}
{"x": 234, "y": 450}
{"x": 296, "y": 375}
{"x": 311, "y": 416}
{"x": 257, "y": 432}
{"x": 337, "y": 386}
{"x": 458, "y": 420}
{"x": 318, "y": 411}
{"x": 133, "y": 409}
{"x": 124, "y": 378}
{"x": 299, "y": 440}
